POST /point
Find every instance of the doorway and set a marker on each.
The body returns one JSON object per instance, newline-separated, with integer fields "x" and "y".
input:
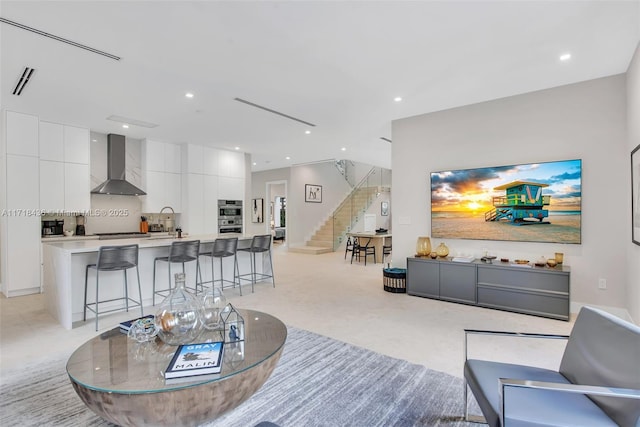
{"x": 277, "y": 218}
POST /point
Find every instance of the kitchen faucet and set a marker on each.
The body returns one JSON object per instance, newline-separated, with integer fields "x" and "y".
{"x": 168, "y": 223}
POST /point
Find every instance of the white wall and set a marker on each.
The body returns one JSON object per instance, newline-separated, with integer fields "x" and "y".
{"x": 585, "y": 120}
{"x": 633, "y": 126}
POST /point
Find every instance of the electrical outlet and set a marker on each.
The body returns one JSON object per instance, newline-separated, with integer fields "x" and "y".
{"x": 602, "y": 283}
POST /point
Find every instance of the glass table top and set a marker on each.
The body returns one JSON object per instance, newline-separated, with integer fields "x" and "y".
{"x": 111, "y": 362}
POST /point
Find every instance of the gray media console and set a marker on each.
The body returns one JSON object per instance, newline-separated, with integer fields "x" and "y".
{"x": 541, "y": 291}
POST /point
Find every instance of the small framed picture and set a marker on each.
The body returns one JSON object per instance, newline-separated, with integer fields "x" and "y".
{"x": 313, "y": 193}
{"x": 384, "y": 208}
{"x": 257, "y": 214}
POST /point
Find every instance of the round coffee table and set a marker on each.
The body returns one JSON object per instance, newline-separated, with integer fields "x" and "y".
{"x": 123, "y": 381}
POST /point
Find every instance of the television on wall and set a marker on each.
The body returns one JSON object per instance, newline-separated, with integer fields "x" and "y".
{"x": 535, "y": 202}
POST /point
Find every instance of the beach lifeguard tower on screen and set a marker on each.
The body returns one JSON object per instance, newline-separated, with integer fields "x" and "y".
{"x": 523, "y": 204}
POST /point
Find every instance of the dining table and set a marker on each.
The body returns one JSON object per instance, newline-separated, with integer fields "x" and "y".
{"x": 377, "y": 240}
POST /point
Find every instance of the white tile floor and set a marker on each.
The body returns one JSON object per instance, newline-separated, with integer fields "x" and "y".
{"x": 327, "y": 295}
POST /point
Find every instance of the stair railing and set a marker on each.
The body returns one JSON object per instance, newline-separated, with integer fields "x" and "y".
{"x": 353, "y": 207}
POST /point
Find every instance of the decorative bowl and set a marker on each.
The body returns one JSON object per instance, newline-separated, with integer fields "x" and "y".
{"x": 552, "y": 262}
{"x": 521, "y": 261}
{"x": 68, "y": 233}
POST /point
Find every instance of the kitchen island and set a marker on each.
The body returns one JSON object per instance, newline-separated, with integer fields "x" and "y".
{"x": 64, "y": 266}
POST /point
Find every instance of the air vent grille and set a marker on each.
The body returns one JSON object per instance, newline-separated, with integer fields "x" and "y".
{"x": 23, "y": 80}
{"x": 244, "y": 101}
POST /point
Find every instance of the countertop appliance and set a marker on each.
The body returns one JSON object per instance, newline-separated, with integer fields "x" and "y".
{"x": 80, "y": 230}
{"x": 229, "y": 216}
{"x": 52, "y": 228}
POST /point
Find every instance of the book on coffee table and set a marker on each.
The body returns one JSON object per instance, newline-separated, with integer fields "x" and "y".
{"x": 195, "y": 359}
{"x": 125, "y": 326}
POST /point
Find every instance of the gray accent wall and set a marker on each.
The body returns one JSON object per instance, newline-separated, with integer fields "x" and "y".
{"x": 586, "y": 120}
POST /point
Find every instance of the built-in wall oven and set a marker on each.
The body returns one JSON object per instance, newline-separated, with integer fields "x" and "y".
{"x": 229, "y": 216}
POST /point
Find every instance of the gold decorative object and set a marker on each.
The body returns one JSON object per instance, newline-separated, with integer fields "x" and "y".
{"x": 442, "y": 250}
{"x": 423, "y": 247}
{"x": 559, "y": 257}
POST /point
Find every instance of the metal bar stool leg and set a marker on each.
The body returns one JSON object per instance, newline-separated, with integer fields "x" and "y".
{"x": 153, "y": 295}
{"x": 86, "y": 277}
{"x": 273, "y": 275}
{"x": 97, "y": 299}
{"x": 236, "y": 273}
{"x": 139, "y": 291}
{"x": 126, "y": 291}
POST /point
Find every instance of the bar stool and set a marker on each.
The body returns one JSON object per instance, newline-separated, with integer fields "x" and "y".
{"x": 180, "y": 252}
{"x": 259, "y": 244}
{"x": 113, "y": 258}
{"x": 223, "y": 248}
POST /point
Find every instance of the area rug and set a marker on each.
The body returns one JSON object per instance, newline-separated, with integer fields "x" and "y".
{"x": 319, "y": 381}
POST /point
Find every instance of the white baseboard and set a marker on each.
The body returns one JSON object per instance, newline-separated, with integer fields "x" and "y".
{"x": 616, "y": 311}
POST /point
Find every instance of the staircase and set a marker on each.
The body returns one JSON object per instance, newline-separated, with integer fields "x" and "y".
{"x": 331, "y": 234}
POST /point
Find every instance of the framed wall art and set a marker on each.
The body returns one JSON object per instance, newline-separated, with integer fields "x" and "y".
{"x": 533, "y": 202}
{"x": 635, "y": 195}
{"x": 313, "y": 193}
{"x": 257, "y": 213}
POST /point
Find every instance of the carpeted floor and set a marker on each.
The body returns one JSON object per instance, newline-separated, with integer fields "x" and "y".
{"x": 319, "y": 381}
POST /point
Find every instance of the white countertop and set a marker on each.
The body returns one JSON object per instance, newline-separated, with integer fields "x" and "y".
{"x": 92, "y": 245}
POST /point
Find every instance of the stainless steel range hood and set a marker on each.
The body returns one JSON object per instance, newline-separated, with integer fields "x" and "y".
{"x": 116, "y": 183}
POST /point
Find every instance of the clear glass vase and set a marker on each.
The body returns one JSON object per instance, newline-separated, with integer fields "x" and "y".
{"x": 179, "y": 316}
{"x": 213, "y": 302}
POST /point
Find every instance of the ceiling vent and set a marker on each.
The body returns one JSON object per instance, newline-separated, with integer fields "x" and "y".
{"x": 23, "y": 80}
{"x": 130, "y": 121}
{"x": 244, "y": 101}
{"x": 60, "y": 39}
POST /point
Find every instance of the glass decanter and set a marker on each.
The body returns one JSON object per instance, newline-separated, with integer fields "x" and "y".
{"x": 213, "y": 302}
{"x": 179, "y": 316}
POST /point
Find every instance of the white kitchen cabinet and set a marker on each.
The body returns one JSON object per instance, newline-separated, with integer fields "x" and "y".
{"x": 210, "y": 203}
{"x": 193, "y": 203}
{"x": 210, "y": 161}
{"x": 193, "y": 161}
{"x": 173, "y": 191}
{"x": 76, "y": 145}
{"x": 22, "y": 268}
{"x": 231, "y": 164}
{"x": 172, "y": 158}
{"x": 76, "y": 187}
{"x": 161, "y": 176}
{"x": 153, "y": 156}
{"x": 21, "y": 245}
{"x": 230, "y": 188}
{"x": 23, "y": 182}
{"x": 22, "y": 134}
{"x": 51, "y": 145}
{"x": 51, "y": 185}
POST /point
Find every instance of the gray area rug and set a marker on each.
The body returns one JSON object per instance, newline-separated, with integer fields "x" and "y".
{"x": 318, "y": 382}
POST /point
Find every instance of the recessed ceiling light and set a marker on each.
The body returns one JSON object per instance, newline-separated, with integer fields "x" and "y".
{"x": 125, "y": 126}
{"x": 307, "y": 132}
{"x": 237, "y": 148}
{"x": 397, "y": 99}
{"x": 254, "y": 163}
{"x": 344, "y": 148}
{"x": 288, "y": 158}
{"x": 94, "y": 140}
{"x": 565, "y": 57}
{"x": 188, "y": 95}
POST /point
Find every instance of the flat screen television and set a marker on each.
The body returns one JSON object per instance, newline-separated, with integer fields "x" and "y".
{"x": 535, "y": 202}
